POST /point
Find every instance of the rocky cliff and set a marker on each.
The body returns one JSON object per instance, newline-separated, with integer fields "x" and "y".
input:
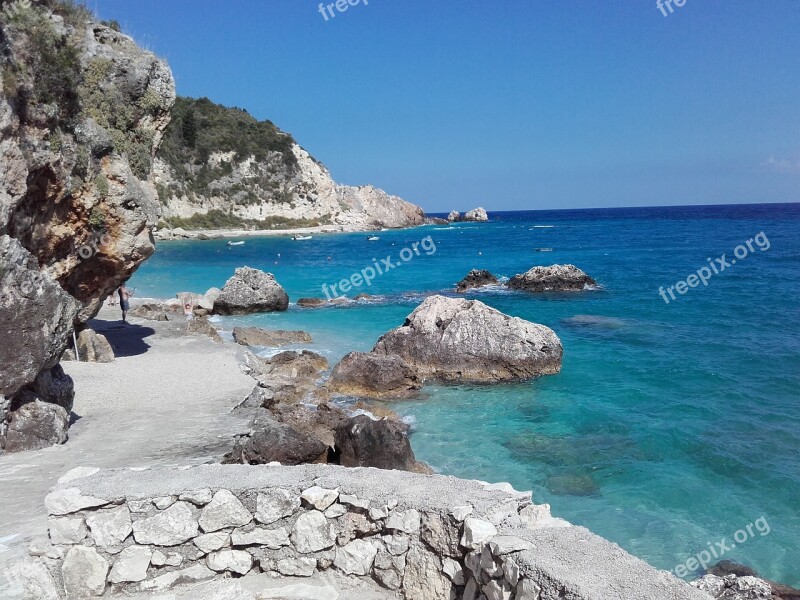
{"x": 221, "y": 168}
{"x": 82, "y": 113}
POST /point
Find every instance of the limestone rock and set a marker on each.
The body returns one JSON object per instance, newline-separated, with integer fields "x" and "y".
{"x": 477, "y": 532}
{"x": 110, "y": 527}
{"x": 171, "y": 527}
{"x": 94, "y": 347}
{"x": 374, "y": 376}
{"x": 255, "y": 336}
{"x": 195, "y": 573}
{"x": 234, "y": 561}
{"x": 297, "y": 567}
{"x": 251, "y": 291}
{"x": 408, "y": 521}
{"x": 441, "y": 534}
{"x": 556, "y": 278}
{"x": 465, "y": 340}
{"x": 276, "y": 442}
{"x": 501, "y": 545}
{"x": 454, "y": 571}
{"x": 459, "y": 513}
{"x": 424, "y": 579}
{"x": 28, "y": 580}
{"x": 384, "y": 444}
{"x": 275, "y": 504}
{"x": 356, "y": 558}
{"x": 211, "y": 542}
{"x": 733, "y": 587}
{"x": 84, "y": 572}
{"x": 270, "y": 538}
{"x": 224, "y": 510}
{"x": 319, "y": 498}
{"x": 498, "y": 590}
{"x": 313, "y": 532}
{"x": 67, "y": 530}
{"x": 476, "y": 214}
{"x": 454, "y": 216}
{"x": 65, "y": 501}
{"x": 36, "y": 425}
{"x": 475, "y": 279}
{"x": 131, "y": 565}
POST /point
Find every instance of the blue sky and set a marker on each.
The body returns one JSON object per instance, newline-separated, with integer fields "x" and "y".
{"x": 524, "y": 104}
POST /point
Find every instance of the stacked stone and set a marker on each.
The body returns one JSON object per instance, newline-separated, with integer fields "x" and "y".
{"x": 152, "y": 544}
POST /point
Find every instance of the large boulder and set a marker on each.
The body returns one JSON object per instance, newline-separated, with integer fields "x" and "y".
{"x": 383, "y": 444}
{"x": 36, "y": 425}
{"x": 556, "y": 278}
{"x": 276, "y": 442}
{"x": 251, "y": 291}
{"x": 92, "y": 347}
{"x": 374, "y": 376}
{"x": 455, "y": 339}
{"x": 454, "y": 216}
{"x": 476, "y": 278}
{"x": 255, "y": 336}
{"x": 476, "y": 214}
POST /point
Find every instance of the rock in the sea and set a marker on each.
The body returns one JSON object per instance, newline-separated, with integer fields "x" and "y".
{"x": 36, "y": 425}
{"x": 276, "y": 442}
{"x": 251, "y": 291}
{"x": 475, "y": 279}
{"x": 556, "y": 278}
{"x": 255, "y": 336}
{"x": 364, "y": 442}
{"x": 295, "y": 365}
{"x": 374, "y": 376}
{"x": 465, "y": 340}
{"x": 476, "y": 214}
{"x": 733, "y": 587}
{"x": 311, "y": 302}
{"x": 454, "y": 216}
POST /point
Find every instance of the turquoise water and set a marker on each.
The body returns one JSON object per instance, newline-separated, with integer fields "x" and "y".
{"x": 671, "y": 426}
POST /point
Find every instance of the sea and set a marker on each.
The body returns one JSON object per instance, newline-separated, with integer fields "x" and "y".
{"x": 673, "y": 428}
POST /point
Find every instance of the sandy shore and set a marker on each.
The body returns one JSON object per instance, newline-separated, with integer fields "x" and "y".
{"x": 218, "y": 234}
{"x": 165, "y": 400}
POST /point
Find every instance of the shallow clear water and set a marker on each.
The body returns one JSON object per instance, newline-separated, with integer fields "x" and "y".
{"x": 670, "y": 427}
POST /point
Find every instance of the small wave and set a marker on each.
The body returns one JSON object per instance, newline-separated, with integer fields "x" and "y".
{"x": 543, "y": 227}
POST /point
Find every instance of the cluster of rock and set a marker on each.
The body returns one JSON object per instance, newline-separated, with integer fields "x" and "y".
{"x": 555, "y": 278}
{"x": 449, "y": 339}
{"x": 476, "y": 214}
{"x": 74, "y": 214}
{"x": 728, "y": 580}
{"x": 424, "y": 537}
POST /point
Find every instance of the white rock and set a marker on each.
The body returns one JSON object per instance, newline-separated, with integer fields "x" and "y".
{"x": 354, "y": 501}
{"x": 271, "y": 538}
{"x": 498, "y": 590}
{"x": 528, "y": 589}
{"x": 211, "y": 542}
{"x": 504, "y": 511}
{"x": 396, "y": 544}
{"x": 473, "y": 562}
{"x": 297, "y": 567}
{"x": 198, "y": 497}
{"x": 300, "y": 591}
{"x": 477, "y": 532}
{"x": 511, "y": 571}
{"x": 491, "y": 567}
{"x": 313, "y": 532}
{"x": 356, "y": 558}
{"x": 537, "y": 516}
{"x": 189, "y": 575}
{"x": 275, "y": 504}
{"x": 319, "y": 498}
{"x": 164, "y": 502}
{"x": 335, "y": 511}
{"x": 70, "y": 500}
{"x": 234, "y": 561}
{"x": 459, "y": 513}
{"x": 131, "y": 565}
{"x": 66, "y": 530}
{"x": 110, "y": 527}
{"x": 158, "y": 558}
{"x": 506, "y": 544}
{"x": 78, "y": 473}
{"x": 454, "y": 571}
{"x": 423, "y": 578}
{"x": 406, "y": 521}
{"x": 376, "y": 514}
{"x": 171, "y": 527}
{"x": 224, "y": 510}
{"x": 140, "y": 506}
{"x": 27, "y": 580}
{"x": 392, "y": 503}
{"x": 84, "y": 572}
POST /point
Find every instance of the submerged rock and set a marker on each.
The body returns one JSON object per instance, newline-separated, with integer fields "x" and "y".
{"x": 255, "y": 336}
{"x": 374, "y": 376}
{"x": 475, "y": 279}
{"x": 556, "y": 278}
{"x": 465, "y": 340}
{"x": 251, "y": 291}
{"x": 311, "y": 302}
{"x": 476, "y": 214}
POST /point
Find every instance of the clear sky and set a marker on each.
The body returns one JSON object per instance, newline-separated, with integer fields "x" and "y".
{"x": 512, "y": 104}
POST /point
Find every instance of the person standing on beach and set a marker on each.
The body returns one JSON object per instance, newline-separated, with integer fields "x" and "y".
{"x": 124, "y": 296}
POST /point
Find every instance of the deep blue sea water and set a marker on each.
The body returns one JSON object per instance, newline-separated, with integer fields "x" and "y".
{"x": 671, "y": 426}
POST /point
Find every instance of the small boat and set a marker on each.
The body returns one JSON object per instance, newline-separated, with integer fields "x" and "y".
{"x": 544, "y": 249}
{"x": 235, "y": 244}
{"x": 301, "y": 238}
{"x": 373, "y": 238}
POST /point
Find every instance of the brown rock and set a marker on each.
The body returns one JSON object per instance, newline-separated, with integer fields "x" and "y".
{"x": 374, "y": 376}
{"x": 255, "y": 336}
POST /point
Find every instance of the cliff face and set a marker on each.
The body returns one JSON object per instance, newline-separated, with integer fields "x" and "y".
{"x": 219, "y": 167}
{"x": 82, "y": 112}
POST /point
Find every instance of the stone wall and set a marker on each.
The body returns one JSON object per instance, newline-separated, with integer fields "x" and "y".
{"x": 427, "y": 537}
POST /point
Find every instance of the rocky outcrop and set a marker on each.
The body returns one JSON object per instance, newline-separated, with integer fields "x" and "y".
{"x": 275, "y": 442}
{"x": 476, "y": 214}
{"x": 263, "y": 180}
{"x": 556, "y": 278}
{"x": 255, "y": 336}
{"x": 732, "y": 587}
{"x": 475, "y": 279}
{"x": 251, "y": 291}
{"x": 382, "y": 443}
{"x": 465, "y": 340}
{"x": 82, "y": 112}
{"x": 374, "y": 376}
{"x": 454, "y": 216}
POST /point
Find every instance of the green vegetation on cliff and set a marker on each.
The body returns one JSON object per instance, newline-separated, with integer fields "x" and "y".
{"x": 217, "y": 219}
